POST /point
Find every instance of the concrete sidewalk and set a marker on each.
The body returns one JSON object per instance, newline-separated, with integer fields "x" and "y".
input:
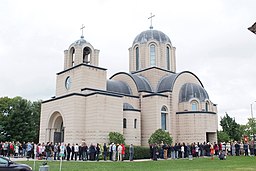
{"x": 25, "y": 159}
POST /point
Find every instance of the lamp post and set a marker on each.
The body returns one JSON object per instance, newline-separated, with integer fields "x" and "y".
{"x": 252, "y": 110}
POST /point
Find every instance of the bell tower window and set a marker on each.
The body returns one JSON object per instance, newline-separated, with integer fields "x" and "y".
{"x": 137, "y": 58}
{"x": 168, "y": 57}
{"x": 72, "y": 55}
{"x": 86, "y": 55}
{"x": 152, "y": 55}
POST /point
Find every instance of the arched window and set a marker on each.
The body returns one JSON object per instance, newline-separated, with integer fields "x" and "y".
{"x": 168, "y": 57}
{"x": 72, "y": 55}
{"x": 86, "y": 55}
{"x": 194, "y": 105}
{"x": 124, "y": 123}
{"x": 152, "y": 55}
{"x": 135, "y": 123}
{"x": 206, "y": 106}
{"x": 163, "y": 118}
{"x": 137, "y": 58}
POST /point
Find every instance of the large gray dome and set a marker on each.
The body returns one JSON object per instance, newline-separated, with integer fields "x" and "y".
{"x": 147, "y": 35}
{"x": 191, "y": 90}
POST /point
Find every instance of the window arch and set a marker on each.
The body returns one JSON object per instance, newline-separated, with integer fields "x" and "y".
{"x": 135, "y": 123}
{"x": 194, "y": 105}
{"x": 206, "y": 106}
{"x": 168, "y": 57}
{"x": 152, "y": 55}
{"x": 86, "y": 55}
{"x": 164, "y": 118}
{"x": 137, "y": 55}
{"x": 124, "y": 123}
{"x": 72, "y": 56}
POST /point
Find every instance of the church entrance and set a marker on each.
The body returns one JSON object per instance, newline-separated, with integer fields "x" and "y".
{"x": 210, "y": 137}
{"x": 55, "y": 128}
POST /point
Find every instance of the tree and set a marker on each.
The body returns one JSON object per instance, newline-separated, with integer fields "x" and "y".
{"x": 230, "y": 127}
{"x": 160, "y": 136}
{"x": 19, "y": 119}
{"x": 116, "y": 137}
{"x": 250, "y": 127}
{"x": 222, "y": 136}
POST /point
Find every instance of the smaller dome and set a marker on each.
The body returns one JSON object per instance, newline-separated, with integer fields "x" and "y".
{"x": 127, "y": 106}
{"x": 118, "y": 87}
{"x": 147, "y": 35}
{"x": 191, "y": 90}
{"x": 79, "y": 42}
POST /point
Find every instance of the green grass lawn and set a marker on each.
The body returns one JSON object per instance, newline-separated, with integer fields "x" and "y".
{"x": 232, "y": 163}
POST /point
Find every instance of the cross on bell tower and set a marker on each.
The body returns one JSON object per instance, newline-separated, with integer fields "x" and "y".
{"x": 151, "y": 16}
{"x": 82, "y": 28}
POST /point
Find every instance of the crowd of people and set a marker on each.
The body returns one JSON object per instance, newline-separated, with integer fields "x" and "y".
{"x": 61, "y": 151}
{"x": 182, "y": 150}
{"x": 117, "y": 152}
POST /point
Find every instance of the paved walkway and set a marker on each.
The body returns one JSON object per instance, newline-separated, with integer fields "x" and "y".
{"x": 25, "y": 159}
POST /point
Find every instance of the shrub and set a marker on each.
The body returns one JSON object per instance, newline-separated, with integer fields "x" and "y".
{"x": 139, "y": 152}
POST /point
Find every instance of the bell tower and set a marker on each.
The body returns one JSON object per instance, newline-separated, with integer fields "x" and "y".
{"x": 80, "y": 52}
{"x": 81, "y": 69}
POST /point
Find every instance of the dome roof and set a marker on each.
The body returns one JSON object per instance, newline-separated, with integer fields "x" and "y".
{"x": 127, "y": 106}
{"x": 147, "y": 35}
{"x": 191, "y": 90}
{"x": 79, "y": 42}
{"x": 118, "y": 87}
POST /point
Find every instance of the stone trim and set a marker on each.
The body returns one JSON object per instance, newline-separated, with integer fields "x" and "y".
{"x": 155, "y": 94}
{"x": 195, "y": 112}
{"x": 83, "y": 95}
{"x": 79, "y": 66}
{"x": 109, "y": 92}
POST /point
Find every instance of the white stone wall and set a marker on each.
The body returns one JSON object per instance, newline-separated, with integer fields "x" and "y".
{"x": 151, "y": 116}
{"x": 132, "y": 135}
{"x": 81, "y": 77}
{"x": 194, "y": 126}
{"x": 103, "y": 114}
{"x": 72, "y": 111}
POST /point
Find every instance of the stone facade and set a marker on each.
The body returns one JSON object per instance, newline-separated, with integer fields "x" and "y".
{"x": 88, "y": 106}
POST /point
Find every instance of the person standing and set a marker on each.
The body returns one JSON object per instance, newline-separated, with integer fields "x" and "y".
{"x": 97, "y": 151}
{"x": 182, "y": 149}
{"x": 131, "y": 152}
{"x": 246, "y": 147}
{"x": 62, "y": 151}
{"x": 73, "y": 151}
{"x": 68, "y": 152}
{"x": 123, "y": 151}
{"x": 110, "y": 151}
{"x": 155, "y": 152}
{"x": 76, "y": 150}
{"x": 113, "y": 152}
{"x": 84, "y": 151}
{"x": 119, "y": 152}
{"x": 211, "y": 150}
{"x": 29, "y": 149}
{"x": 55, "y": 151}
{"x": 105, "y": 152}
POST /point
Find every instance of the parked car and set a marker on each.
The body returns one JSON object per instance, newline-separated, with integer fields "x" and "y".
{"x": 8, "y": 165}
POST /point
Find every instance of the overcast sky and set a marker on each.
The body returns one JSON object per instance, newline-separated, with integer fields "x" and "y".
{"x": 210, "y": 36}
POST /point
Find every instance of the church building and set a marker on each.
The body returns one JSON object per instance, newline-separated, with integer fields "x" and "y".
{"x": 152, "y": 95}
